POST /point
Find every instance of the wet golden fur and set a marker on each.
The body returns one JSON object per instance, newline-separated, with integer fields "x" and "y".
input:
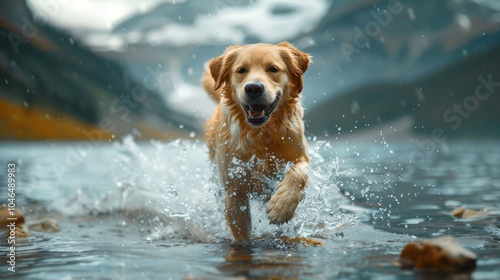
{"x": 280, "y": 140}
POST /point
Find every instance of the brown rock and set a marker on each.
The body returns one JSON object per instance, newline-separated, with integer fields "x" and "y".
{"x": 5, "y": 216}
{"x": 304, "y": 240}
{"x": 45, "y": 225}
{"x": 439, "y": 254}
{"x": 462, "y": 212}
{"x": 16, "y": 218}
{"x": 20, "y": 232}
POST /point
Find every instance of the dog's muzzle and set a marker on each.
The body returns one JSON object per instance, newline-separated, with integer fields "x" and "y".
{"x": 258, "y": 114}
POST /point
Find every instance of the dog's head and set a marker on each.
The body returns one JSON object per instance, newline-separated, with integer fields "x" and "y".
{"x": 259, "y": 76}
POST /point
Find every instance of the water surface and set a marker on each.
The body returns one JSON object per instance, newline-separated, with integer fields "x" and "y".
{"x": 151, "y": 211}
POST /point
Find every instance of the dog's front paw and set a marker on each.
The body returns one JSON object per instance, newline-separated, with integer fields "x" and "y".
{"x": 282, "y": 205}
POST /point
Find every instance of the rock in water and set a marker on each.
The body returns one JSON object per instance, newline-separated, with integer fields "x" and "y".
{"x": 464, "y": 213}
{"x": 5, "y": 215}
{"x": 440, "y": 254}
{"x": 13, "y": 221}
{"x": 45, "y": 225}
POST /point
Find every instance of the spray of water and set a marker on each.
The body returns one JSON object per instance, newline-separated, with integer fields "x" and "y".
{"x": 171, "y": 187}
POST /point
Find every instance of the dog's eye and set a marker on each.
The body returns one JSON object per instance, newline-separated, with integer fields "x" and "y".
{"x": 242, "y": 70}
{"x": 273, "y": 69}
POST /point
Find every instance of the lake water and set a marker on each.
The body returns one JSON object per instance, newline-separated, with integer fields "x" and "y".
{"x": 150, "y": 210}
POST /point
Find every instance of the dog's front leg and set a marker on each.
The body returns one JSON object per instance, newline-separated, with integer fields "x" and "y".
{"x": 237, "y": 211}
{"x": 284, "y": 201}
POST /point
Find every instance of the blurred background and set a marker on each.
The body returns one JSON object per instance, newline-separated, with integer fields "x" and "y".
{"x": 102, "y": 69}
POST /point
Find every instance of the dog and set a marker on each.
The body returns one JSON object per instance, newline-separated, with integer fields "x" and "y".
{"x": 258, "y": 120}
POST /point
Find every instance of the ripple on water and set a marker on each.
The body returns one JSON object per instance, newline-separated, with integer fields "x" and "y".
{"x": 151, "y": 209}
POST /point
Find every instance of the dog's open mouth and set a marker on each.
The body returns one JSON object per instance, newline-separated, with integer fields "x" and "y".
{"x": 258, "y": 114}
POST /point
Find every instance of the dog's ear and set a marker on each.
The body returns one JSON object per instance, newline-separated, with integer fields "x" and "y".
{"x": 220, "y": 67}
{"x": 297, "y": 61}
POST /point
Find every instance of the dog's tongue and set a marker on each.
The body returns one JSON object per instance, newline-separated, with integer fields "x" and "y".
{"x": 256, "y": 114}
{"x": 257, "y": 111}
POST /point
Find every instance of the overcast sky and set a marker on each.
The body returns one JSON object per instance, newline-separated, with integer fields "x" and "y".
{"x": 91, "y": 14}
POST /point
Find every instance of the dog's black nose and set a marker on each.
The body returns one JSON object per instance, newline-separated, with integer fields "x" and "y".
{"x": 254, "y": 90}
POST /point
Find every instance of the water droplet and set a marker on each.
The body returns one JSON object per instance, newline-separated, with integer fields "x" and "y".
{"x": 179, "y": 215}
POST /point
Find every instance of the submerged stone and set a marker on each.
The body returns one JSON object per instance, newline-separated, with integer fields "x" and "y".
{"x": 45, "y": 225}
{"x": 462, "y": 212}
{"x": 304, "y": 240}
{"x": 6, "y": 216}
{"x": 442, "y": 254}
{"x": 13, "y": 221}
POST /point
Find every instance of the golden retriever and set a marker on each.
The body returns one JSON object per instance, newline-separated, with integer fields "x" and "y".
{"x": 257, "y": 129}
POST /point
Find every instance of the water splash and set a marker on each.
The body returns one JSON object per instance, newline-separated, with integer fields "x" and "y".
{"x": 171, "y": 188}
